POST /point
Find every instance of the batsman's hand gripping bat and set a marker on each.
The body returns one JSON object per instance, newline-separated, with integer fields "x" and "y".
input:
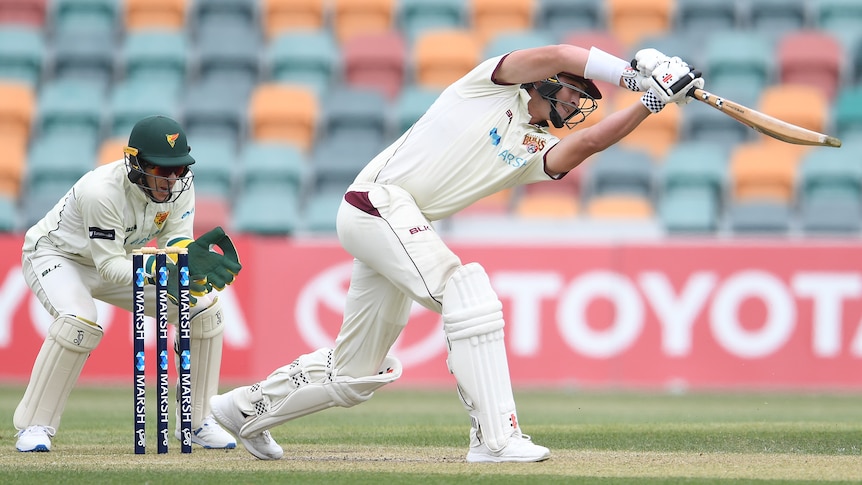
{"x": 763, "y": 123}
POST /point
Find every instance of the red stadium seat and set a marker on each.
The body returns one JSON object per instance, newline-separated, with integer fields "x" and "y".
{"x": 377, "y": 61}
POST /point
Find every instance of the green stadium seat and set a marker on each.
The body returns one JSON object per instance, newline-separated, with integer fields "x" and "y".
{"x": 418, "y": 16}
{"x": 735, "y": 60}
{"x": 156, "y": 56}
{"x": 705, "y": 123}
{"x": 211, "y": 111}
{"x": 219, "y": 15}
{"x": 70, "y": 106}
{"x": 215, "y": 165}
{"x": 759, "y": 217}
{"x": 688, "y": 210}
{"x": 58, "y": 160}
{"x": 131, "y": 101}
{"x": 831, "y": 174}
{"x": 560, "y": 17}
{"x": 309, "y": 58}
{"x": 22, "y": 54}
{"x": 838, "y": 15}
{"x": 8, "y": 214}
{"x": 335, "y": 164}
{"x": 351, "y": 113}
{"x": 830, "y": 216}
{"x": 268, "y": 166}
{"x": 847, "y": 112}
{"x": 775, "y": 18}
{"x": 699, "y": 16}
{"x": 321, "y": 209}
{"x": 702, "y": 165}
{"x": 410, "y": 105}
{"x": 99, "y": 17}
{"x": 619, "y": 170}
{"x": 88, "y": 56}
{"x": 268, "y": 213}
{"x": 230, "y": 57}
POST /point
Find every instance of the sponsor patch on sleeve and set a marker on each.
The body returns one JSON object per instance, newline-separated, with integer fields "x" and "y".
{"x": 99, "y": 233}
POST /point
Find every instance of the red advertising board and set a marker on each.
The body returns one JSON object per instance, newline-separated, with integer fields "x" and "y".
{"x": 753, "y": 315}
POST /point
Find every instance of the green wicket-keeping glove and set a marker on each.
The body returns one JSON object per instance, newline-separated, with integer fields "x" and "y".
{"x": 195, "y": 287}
{"x": 219, "y": 270}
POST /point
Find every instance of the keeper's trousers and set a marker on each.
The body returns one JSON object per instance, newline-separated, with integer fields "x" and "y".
{"x": 399, "y": 258}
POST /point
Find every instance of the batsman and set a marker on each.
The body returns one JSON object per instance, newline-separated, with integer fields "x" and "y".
{"x": 485, "y": 133}
{"x": 80, "y": 251}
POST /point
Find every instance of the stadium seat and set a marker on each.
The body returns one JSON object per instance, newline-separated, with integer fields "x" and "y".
{"x": 505, "y": 42}
{"x": 232, "y": 59}
{"x": 736, "y": 60}
{"x": 8, "y": 214}
{"x": 763, "y": 171}
{"x": 158, "y": 56}
{"x": 699, "y": 16}
{"x": 813, "y": 58}
{"x": 335, "y": 164}
{"x": 632, "y": 20}
{"x": 17, "y": 110}
{"x": 266, "y": 213}
{"x": 206, "y": 112}
{"x": 280, "y": 16}
{"x": 215, "y": 165}
{"x": 270, "y": 166}
{"x": 55, "y": 162}
{"x": 688, "y": 210}
{"x": 497, "y": 204}
{"x": 760, "y": 217}
{"x": 155, "y": 14}
{"x": 705, "y": 123}
{"x": 23, "y": 12}
{"x": 847, "y": 113}
{"x": 619, "y": 206}
{"x": 488, "y": 18}
{"x": 837, "y": 15}
{"x": 282, "y": 112}
{"x": 211, "y": 211}
{"x": 13, "y": 159}
{"x": 412, "y": 102}
{"x": 696, "y": 165}
{"x": 111, "y": 149}
{"x": 352, "y": 17}
{"x": 22, "y": 54}
{"x": 307, "y": 57}
{"x": 377, "y": 61}
{"x": 99, "y": 17}
{"x": 70, "y": 106}
{"x": 441, "y": 57}
{"x": 830, "y": 174}
{"x": 619, "y": 170}
{"x": 216, "y": 15}
{"x": 830, "y": 216}
{"x": 131, "y": 101}
{"x": 320, "y": 210}
{"x": 417, "y": 16}
{"x": 561, "y": 17}
{"x": 354, "y": 114}
{"x": 559, "y": 199}
{"x": 775, "y": 18}
{"x": 801, "y": 105}
{"x": 657, "y": 134}
{"x": 84, "y": 55}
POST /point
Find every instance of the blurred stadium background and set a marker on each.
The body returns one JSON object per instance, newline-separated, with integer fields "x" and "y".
{"x": 284, "y": 100}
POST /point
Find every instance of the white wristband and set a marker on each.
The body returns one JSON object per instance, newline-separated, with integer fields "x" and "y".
{"x": 602, "y": 66}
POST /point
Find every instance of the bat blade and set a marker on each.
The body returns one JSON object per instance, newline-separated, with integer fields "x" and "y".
{"x": 763, "y": 123}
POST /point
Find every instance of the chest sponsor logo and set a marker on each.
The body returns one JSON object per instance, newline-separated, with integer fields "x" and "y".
{"x": 99, "y": 233}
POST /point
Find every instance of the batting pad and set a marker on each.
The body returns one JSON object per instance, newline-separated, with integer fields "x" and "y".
{"x": 309, "y": 384}
{"x": 207, "y": 328}
{"x": 56, "y": 371}
{"x": 473, "y": 322}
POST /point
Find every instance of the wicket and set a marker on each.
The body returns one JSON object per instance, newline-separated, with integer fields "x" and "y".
{"x": 184, "y": 388}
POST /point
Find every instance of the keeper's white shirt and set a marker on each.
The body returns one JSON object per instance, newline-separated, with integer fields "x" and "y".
{"x": 104, "y": 216}
{"x": 475, "y": 140}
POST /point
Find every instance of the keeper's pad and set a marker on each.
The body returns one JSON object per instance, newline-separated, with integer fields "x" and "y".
{"x": 473, "y": 323}
{"x": 309, "y": 384}
{"x": 207, "y": 328}
{"x": 56, "y": 370}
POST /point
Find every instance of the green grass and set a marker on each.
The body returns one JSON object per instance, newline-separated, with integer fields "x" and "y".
{"x": 405, "y": 436}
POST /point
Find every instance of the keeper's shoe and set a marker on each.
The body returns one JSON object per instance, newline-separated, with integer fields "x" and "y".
{"x": 210, "y": 435}
{"x": 519, "y": 449}
{"x": 228, "y": 414}
{"x": 35, "y": 438}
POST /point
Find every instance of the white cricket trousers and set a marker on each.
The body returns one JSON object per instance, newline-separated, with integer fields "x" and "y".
{"x": 399, "y": 258}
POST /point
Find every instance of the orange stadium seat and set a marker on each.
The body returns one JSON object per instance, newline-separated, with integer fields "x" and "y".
{"x": 763, "y": 171}
{"x": 632, "y": 20}
{"x": 813, "y": 58}
{"x": 499, "y": 203}
{"x": 111, "y": 150}
{"x": 658, "y": 133}
{"x": 13, "y": 159}
{"x": 550, "y": 200}
{"x": 281, "y": 15}
{"x": 282, "y": 112}
{"x": 28, "y": 12}
{"x": 155, "y": 14}
{"x": 376, "y": 60}
{"x": 441, "y": 57}
{"x": 491, "y": 17}
{"x": 17, "y": 109}
{"x": 619, "y": 206}
{"x": 801, "y": 105}
{"x": 352, "y": 17}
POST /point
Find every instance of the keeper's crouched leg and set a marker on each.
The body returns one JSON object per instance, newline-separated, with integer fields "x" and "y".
{"x": 307, "y": 385}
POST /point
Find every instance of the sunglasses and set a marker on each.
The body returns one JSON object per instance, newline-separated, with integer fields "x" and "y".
{"x": 165, "y": 172}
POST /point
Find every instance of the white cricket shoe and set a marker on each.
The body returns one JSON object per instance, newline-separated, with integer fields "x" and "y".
{"x": 210, "y": 435}
{"x": 35, "y": 438}
{"x": 519, "y": 449}
{"x": 231, "y": 417}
